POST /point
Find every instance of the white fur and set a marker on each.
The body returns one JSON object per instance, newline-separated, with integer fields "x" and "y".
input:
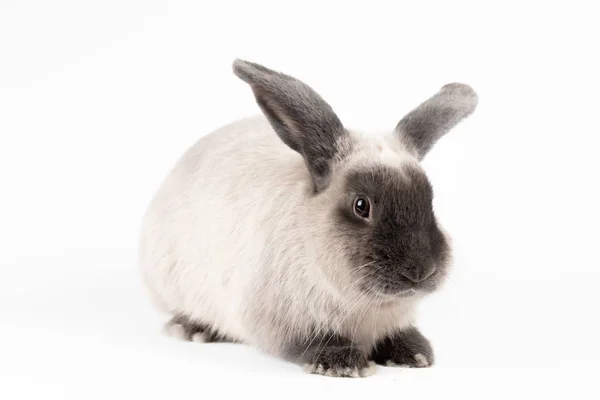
{"x": 198, "y": 337}
{"x": 346, "y": 372}
{"x": 175, "y": 330}
{"x": 233, "y": 239}
{"x": 421, "y": 360}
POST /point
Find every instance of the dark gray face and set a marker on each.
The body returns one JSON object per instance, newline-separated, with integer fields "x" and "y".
{"x": 396, "y": 247}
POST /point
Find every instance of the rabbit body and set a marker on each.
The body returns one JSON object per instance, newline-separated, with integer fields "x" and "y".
{"x": 291, "y": 233}
{"x": 228, "y": 240}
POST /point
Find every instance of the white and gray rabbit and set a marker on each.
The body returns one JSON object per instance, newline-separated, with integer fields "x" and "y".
{"x": 294, "y": 234}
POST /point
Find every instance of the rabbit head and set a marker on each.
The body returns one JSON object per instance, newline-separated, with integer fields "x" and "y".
{"x": 369, "y": 201}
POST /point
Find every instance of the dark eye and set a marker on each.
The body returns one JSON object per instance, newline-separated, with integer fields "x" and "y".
{"x": 362, "y": 207}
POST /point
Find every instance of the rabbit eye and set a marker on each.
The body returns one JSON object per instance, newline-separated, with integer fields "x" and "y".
{"x": 362, "y": 207}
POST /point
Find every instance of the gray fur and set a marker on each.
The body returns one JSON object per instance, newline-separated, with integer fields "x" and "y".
{"x": 301, "y": 118}
{"x": 401, "y": 247}
{"x": 403, "y": 348}
{"x": 332, "y": 355}
{"x": 330, "y": 350}
{"x": 431, "y": 120}
{"x": 191, "y": 328}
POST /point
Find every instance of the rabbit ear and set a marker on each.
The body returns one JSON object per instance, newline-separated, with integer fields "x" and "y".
{"x": 431, "y": 120}
{"x": 301, "y": 118}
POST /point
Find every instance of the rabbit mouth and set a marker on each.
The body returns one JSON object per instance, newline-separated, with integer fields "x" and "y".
{"x": 406, "y": 293}
{"x": 390, "y": 290}
{"x": 388, "y": 298}
{"x": 391, "y": 293}
{"x": 400, "y": 294}
{"x": 397, "y": 287}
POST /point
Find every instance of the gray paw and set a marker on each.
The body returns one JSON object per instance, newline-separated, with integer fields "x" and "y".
{"x": 183, "y": 328}
{"x": 175, "y": 330}
{"x": 406, "y": 348}
{"x": 337, "y": 371}
{"x": 420, "y": 361}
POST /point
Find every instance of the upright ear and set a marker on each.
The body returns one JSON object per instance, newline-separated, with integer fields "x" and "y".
{"x": 301, "y": 118}
{"x": 431, "y": 120}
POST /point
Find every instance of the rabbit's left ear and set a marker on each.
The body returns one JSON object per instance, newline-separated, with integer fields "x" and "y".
{"x": 301, "y": 118}
{"x": 422, "y": 127}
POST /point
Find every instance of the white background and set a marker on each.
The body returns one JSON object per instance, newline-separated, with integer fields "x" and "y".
{"x": 99, "y": 98}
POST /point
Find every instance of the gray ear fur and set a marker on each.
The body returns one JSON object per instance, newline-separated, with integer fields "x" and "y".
{"x": 301, "y": 118}
{"x": 422, "y": 127}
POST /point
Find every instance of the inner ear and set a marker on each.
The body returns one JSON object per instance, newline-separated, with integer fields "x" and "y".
{"x": 299, "y": 116}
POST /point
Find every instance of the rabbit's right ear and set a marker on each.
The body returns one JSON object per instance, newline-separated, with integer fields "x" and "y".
{"x": 301, "y": 118}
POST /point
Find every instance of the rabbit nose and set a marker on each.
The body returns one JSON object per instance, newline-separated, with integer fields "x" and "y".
{"x": 419, "y": 275}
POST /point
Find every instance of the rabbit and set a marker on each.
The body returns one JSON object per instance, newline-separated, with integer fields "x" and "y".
{"x": 310, "y": 241}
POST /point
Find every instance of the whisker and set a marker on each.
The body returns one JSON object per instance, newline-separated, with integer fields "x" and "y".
{"x": 362, "y": 266}
{"x": 360, "y": 295}
{"x": 361, "y": 319}
{"x": 353, "y": 283}
{"x": 326, "y": 322}
{"x": 339, "y": 325}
